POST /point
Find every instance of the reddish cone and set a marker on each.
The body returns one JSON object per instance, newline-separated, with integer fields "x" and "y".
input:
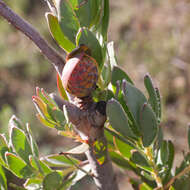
{"x": 80, "y": 72}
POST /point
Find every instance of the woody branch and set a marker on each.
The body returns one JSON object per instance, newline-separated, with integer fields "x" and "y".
{"x": 103, "y": 174}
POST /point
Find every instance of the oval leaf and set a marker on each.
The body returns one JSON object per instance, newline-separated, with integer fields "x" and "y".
{"x": 105, "y": 20}
{"x": 33, "y": 183}
{"x": 118, "y": 118}
{"x": 159, "y": 105}
{"x": 148, "y": 125}
{"x": 3, "y": 147}
{"x": 57, "y": 33}
{"x": 18, "y": 166}
{"x": 86, "y": 37}
{"x": 81, "y": 149}
{"x": 140, "y": 160}
{"x": 3, "y": 180}
{"x": 152, "y": 94}
{"x": 33, "y": 144}
{"x": 119, "y": 160}
{"x": 39, "y": 165}
{"x": 52, "y": 181}
{"x": 124, "y": 148}
{"x": 134, "y": 99}
{"x": 164, "y": 152}
{"x": 20, "y": 144}
{"x": 144, "y": 186}
{"x": 59, "y": 160}
{"x": 67, "y": 19}
{"x": 170, "y": 160}
{"x": 118, "y": 75}
{"x": 45, "y": 122}
{"x": 61, "y": 89}
{"x": 86, "y": 12}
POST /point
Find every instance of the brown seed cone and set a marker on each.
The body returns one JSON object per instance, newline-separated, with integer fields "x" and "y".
{"x": 80, "y": 75}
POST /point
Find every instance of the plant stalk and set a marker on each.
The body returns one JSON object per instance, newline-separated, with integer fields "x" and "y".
{"x": 105, "y": 178}
{"x": 183, "y": 172}
{"x": 148, "y": 152}
{"x": 49, "y": 52}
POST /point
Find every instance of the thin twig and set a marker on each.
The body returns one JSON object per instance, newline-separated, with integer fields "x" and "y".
{"x": 77, "y": 166}
{"x": 183, "y": 172}
{"x": 26, "y": 28}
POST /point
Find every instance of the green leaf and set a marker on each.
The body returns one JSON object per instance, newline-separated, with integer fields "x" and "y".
{"x": 68, "y": 182}
{"x": 41, "y": 107}
{"x": 45, "y": 168}
{"x": 39, "y": 165}
{"x": 61, "y": 89}
{"x": 86, "y": 37}
{"x": 148, "y": 125}
{"x": 152, "y": 94}
{"x": 144, "y": 186}
{"x": 147, "y": 175}
{"x": 86, "y": 12}
{"x": 96, "y": 8}
{"x": 81, "y": 149}
{"x": 124, "y": 148}
{"x": 140, "y": 161}
{"x": 134, "y": 99}
{"x": 45, "y": 98}
{"x": 159, "y": 139}
{"x": 105, "y": 20}
{"x": 18, "y": 166}
{"x": 114, "y": 134}
{"x": 44, "y": 121}
{"x": 20, "y": 144}
{"x": 52, "y": 181}
{"x": 15, "y": 122}
{"x": 3, "y": 180}
{"x": 169, "y": 162}
{"x": 3, "y": 148}
{"x": 109, "y": 95}
{"x": 33, "y": 183}
{"x": 109, "y": 138}
{"x": 68, "y": 20}
{"x": 132, "y": 122}
{"x": 57, "y": 33}
{"x": 59, "y": 160}
{"x": 159, "y": 105}
{"x": 58, "y": 117}
{"x": 118, "y": 118}
{"x": 106, "y": 75}
{"x": 164, "y": 152}
{"x": 119, "y": 160}
{"x": 16, "y": 187}
{"x": 171, "y": 153}
{"x": 33, "y": 144}
{"x": 118, "y": 75}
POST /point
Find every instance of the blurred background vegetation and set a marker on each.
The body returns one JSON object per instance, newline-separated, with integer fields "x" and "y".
{"x": 150, "y": 36}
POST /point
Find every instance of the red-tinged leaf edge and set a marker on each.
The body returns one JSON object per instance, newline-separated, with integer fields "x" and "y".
{"x": 61, "y": 89}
